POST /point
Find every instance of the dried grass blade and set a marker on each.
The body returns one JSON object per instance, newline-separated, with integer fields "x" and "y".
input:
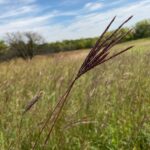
{"x": 98, "y": 58}
{"x": 32, "y": 102}
{"x": 117, "y": 54}
{"x": 112, "y": 44}
{"x": 79, "y": 122}
{"x": 91, "y": 66}
{"x": 104, "y": 60}
{"x": 95, "y": 51}
{"x": 99, "y": 40}
{"x": 119, "y": 28}
{"x": 52, "y": 118}
{"x": 57, "y": 111}
{"x": 113, "y": 34}
{"x": 97, "y": 43}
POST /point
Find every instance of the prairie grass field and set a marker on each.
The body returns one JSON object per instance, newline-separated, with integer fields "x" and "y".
{"x": 108, "y": 108}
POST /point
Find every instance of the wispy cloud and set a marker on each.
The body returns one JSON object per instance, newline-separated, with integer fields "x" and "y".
{"x": 81, "y": 23}
{"x": 17, "y": 1}
{"x": 117, "y": 2}
{"x": 91, "y": 6}
{"x": 4, "y": 1}
{"x": 19, "y": 11}
{"x": 90, "y": 25}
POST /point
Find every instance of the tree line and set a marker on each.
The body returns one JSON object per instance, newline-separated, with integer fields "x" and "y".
{"x": 28, "y": 44}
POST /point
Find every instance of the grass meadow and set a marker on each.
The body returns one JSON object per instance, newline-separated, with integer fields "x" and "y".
{"x": 108, "y": 108}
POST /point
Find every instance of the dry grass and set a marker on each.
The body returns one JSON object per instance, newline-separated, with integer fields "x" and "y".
{"x": 97, "y": 56}
{"x": 109, "y": 108}
{"x": 113, "y": 97}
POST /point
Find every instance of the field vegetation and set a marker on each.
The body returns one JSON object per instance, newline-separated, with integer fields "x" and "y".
{"x": 108, "y": 107}
{"x": 29, "y": 44}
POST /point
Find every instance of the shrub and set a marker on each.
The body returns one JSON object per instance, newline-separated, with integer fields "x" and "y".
{"x": 142, "y": 29}
{"x": 24, "y": 44}
{"x": 3, "y": 47}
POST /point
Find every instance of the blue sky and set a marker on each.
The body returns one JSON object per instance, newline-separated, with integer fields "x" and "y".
{"x": 57, "y": 20}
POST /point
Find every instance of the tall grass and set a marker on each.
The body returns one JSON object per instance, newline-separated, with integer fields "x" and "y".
{"x": 99, "y": 54}
{"x": 113, "y": 99}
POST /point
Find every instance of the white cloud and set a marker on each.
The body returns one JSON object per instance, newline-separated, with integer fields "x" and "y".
{"x": 85, "y": 24}
{"x": 19, "y": 11}
{"x": 26, "y": 24}
{"x": 117, "y": 2}
{"x": 91, "y": 6}
{"x": 27, "y": 1}
{"x": 4, "y": 1}
{"x": 17, "y": 1}
{"x": 93, "y": 24}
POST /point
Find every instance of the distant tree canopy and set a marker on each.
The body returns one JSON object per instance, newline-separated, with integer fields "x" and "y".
{"x": 68, "y": 45}
{"x": 142, "y": 29}
{"x": 3, "y": 47}
{"x": 24, "y": 44}
{"x": 28, "y": 44}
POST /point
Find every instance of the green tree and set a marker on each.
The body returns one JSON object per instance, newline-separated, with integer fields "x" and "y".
{"x": 3, "y": 47}
{"x": 24, "y": 44}
{"x": 128, "y": 37}
{"x": 142, "y": 29}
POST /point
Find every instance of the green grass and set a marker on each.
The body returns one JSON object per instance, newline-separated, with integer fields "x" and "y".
{"x": 114, "y": 97}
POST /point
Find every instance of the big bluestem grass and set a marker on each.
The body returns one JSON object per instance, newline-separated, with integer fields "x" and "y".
{"x": 99, "y": 54}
